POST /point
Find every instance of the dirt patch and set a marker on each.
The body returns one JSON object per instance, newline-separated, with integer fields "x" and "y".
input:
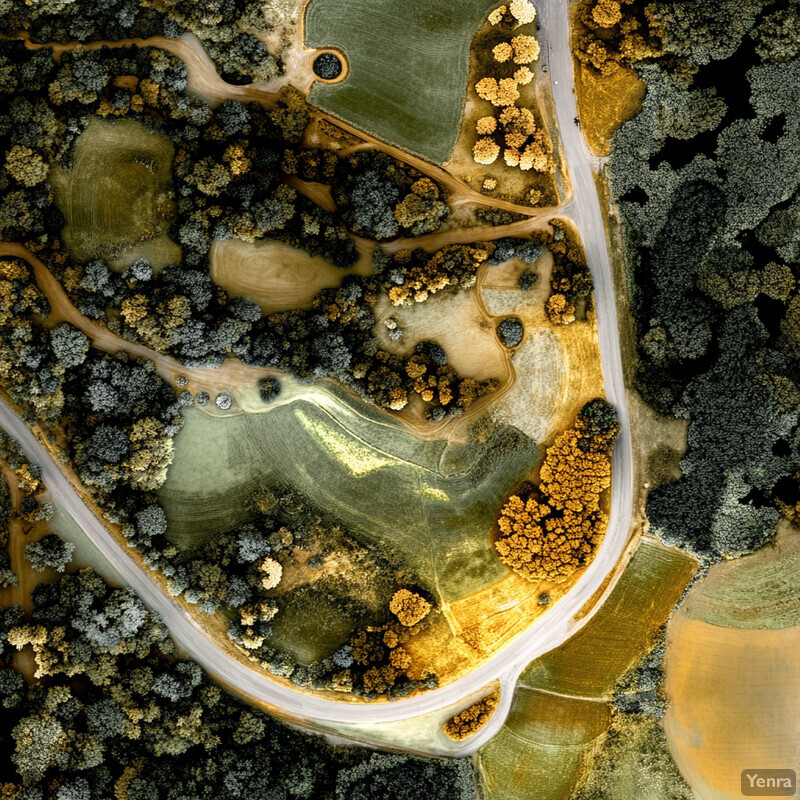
{"x": 454, "y": 320}
{"x": 275, "y": 275}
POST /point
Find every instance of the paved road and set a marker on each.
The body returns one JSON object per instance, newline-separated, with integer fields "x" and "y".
{"x": 552, "y": 628}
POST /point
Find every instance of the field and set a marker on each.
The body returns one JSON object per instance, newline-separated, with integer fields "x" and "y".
{"x": 117, "y": 197}
{"x": 359, "y": 465}
{"x": 590, "y": 663}
{"x": 732, "y": 673}
{"x": 275, "y": 275}
{"x": 537, "y": 753}
{"x": 408, "y": 67}
{"x": 761, "y": 590}
{"x": 604, "y": 103}
{"x": 734, "y": 702}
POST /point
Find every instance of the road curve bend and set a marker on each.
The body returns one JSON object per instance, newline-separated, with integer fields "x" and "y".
{"x": 550, "y": 630}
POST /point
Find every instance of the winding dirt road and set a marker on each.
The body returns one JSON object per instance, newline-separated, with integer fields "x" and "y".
{"x": 560, "y": 622}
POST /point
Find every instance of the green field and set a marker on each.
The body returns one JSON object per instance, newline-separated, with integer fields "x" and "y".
{"x": 537, "y": 754}
{"x": 428, "y": 505}
{"x": 761, "y": 590}
{"x": 117, "y": 197}
{"x": 408, "y": 67}
{"x": 591, "y": 662}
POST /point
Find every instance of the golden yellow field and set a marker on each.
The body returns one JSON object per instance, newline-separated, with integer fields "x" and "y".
{"x": 590, "y": 663}
{"x": 604, "y": 103}
{"x": 734, "y": 703}
{"x": 275, "y": 275}
{"x": 537, "y": 754}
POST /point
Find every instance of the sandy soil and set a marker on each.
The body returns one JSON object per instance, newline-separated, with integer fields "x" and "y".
{"x": 275, "y": 275}
{"x": 454, "y": 320}
{"x": 734, "y": 703}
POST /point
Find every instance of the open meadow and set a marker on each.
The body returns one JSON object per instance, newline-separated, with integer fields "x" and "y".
{"x": 408, "y": 67}
{"x": 732, "y": 672}
{"x": 429, "y": 503}
{"x": 117, "y": 196}
{"x": 591, "y": 662}
{"x": 537, "y": 753}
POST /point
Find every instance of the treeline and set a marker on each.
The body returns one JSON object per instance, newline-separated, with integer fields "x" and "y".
{"x": 227, "y": 30}
{"x": 118, "y": 714}
{"x": 706, "y": 178}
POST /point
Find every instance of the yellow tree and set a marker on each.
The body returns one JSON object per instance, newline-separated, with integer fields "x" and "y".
{"x": 485, "y": 151}
{"x": 525, "y": 49}
{"x": 522, "y": 11}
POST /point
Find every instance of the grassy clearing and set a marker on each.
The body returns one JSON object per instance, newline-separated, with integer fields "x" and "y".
{"x": 429, "y": 504}
{"x": 275, "y": 275}
{"x": 408, "y": 67}
{"x": 537, "y": 754}
{"x": 454, "y": 320}
{"x": 757, "y": 591}
{"x": 590, "y": 662}
{"x": 604, "y": 103}
{"x": 311, "y": 625}
{"x": 117, "y": 197}
{"x": 734, "y": 701}
{"x": 533, "y": 399}
{"x": 86, "y": 553}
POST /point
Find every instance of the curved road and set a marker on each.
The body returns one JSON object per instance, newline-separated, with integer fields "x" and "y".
{"x": 546, "y": 633}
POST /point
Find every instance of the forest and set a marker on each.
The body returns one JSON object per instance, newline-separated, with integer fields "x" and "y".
{"x": 706, "y": 179}
{"x": 117, "y": 713}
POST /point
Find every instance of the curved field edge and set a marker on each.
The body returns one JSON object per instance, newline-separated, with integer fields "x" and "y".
{"x": 408, "y": 67}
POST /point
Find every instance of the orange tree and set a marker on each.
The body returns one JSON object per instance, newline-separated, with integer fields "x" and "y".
{"x": 556, "y": 529}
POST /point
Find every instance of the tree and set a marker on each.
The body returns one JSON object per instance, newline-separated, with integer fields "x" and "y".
{"x": 525, "y": 48}
{"x": 26, "y": 165}
{"x": 485, "y": 151}
{"x": 409, "y": 607}
{"x": 49, "y": 552}
{"x": 522, "y": 11}
{"x": 70, "y": 345}
{"x": 502, "y": 52}
{"x": 464, "y": 724}
{"x": 510, "y": 331}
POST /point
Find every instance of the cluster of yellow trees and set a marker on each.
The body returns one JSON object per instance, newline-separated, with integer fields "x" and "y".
{"x": 472, "y": 719}
{"x": 452, "y": 266}
{"x": 617, "y": 32}
{"x": 380, "y": 649}
{"x": 556, "y": 530}
{"x": 511, "y": 129}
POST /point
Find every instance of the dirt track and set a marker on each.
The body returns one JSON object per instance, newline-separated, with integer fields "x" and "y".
{"x": 204, "y": 81}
